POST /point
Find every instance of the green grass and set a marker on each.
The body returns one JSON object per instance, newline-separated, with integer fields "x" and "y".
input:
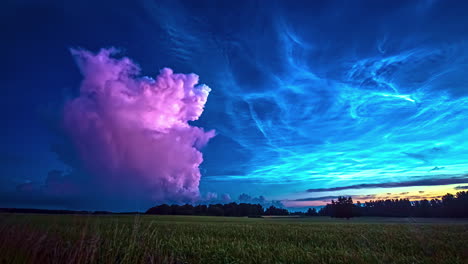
{"x": 196, "y": 239}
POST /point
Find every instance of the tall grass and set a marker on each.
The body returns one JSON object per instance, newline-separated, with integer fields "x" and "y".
{"x": 179, "y": 239}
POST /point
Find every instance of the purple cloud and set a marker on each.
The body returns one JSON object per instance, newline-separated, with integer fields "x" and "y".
{"x": 131, "y": 133}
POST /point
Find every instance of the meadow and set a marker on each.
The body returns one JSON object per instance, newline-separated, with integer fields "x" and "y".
{"x": 35, "y": 238}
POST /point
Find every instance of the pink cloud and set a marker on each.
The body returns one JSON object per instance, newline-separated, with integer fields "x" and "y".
{"x": 132, "y": 132}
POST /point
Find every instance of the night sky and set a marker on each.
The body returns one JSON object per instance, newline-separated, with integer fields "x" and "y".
{"x": 309, "y": 100}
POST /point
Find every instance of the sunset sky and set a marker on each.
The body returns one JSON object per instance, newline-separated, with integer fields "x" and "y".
{"x": 307, "y": 101}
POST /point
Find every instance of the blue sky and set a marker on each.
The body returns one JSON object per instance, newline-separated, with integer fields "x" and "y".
{"x": 305, "y": 94}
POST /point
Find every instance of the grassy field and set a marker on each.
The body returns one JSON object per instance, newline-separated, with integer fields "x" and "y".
{"x": 27, "y": 238}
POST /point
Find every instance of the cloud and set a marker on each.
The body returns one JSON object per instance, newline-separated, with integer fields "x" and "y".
{"x": 425, "y": 182}
{"x": 226, "y": 197}
{"x": 211, "y": 196}
{"x": 131, "y": 133}
{"x": 417, "y": 156}
{"x": 321, "y": 198}
{"x": 461, "y": 187}
{"x": 214, "y": 198}
{"x": 245, "y": 198}
{"x": 437, "y": 168}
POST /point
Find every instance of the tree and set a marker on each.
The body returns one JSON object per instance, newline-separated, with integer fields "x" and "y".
{"x": 216, "y": 210}
{"x": 311, "y": 212}
{"x": 276, "y": 211}
{"x": 450, "y": 206}
{"x": 344, "y": 207}
{"x": 162, "y": 209}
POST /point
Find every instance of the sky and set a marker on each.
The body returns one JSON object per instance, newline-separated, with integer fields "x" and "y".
{"x": 119, "y": 105}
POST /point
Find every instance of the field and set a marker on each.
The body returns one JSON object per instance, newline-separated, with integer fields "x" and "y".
{"x": 28, "y": 238}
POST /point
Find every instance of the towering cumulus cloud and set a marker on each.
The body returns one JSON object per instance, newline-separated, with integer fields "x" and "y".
{"x": 132, "y": 133}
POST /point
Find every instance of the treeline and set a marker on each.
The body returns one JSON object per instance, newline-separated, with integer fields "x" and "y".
{"x": 449, "y": 206}
{"x": 230, "y": 209}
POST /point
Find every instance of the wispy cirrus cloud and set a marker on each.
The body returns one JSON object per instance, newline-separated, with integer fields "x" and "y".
{"x": 424, "y": 182}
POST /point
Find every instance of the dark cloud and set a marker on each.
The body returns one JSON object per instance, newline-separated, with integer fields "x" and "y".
{"x": 421, "y": 191}
{"x": 417, "y": 156}
{"x": 427, "y": 155}
{"x": 60, "y": 191}
{"x": 461, "y": 187}
{"x": 355, "y": 197}
{"x": 321, "y": 198}
{"x": 245, "y": 198}
{"x": 425, "y": 182}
